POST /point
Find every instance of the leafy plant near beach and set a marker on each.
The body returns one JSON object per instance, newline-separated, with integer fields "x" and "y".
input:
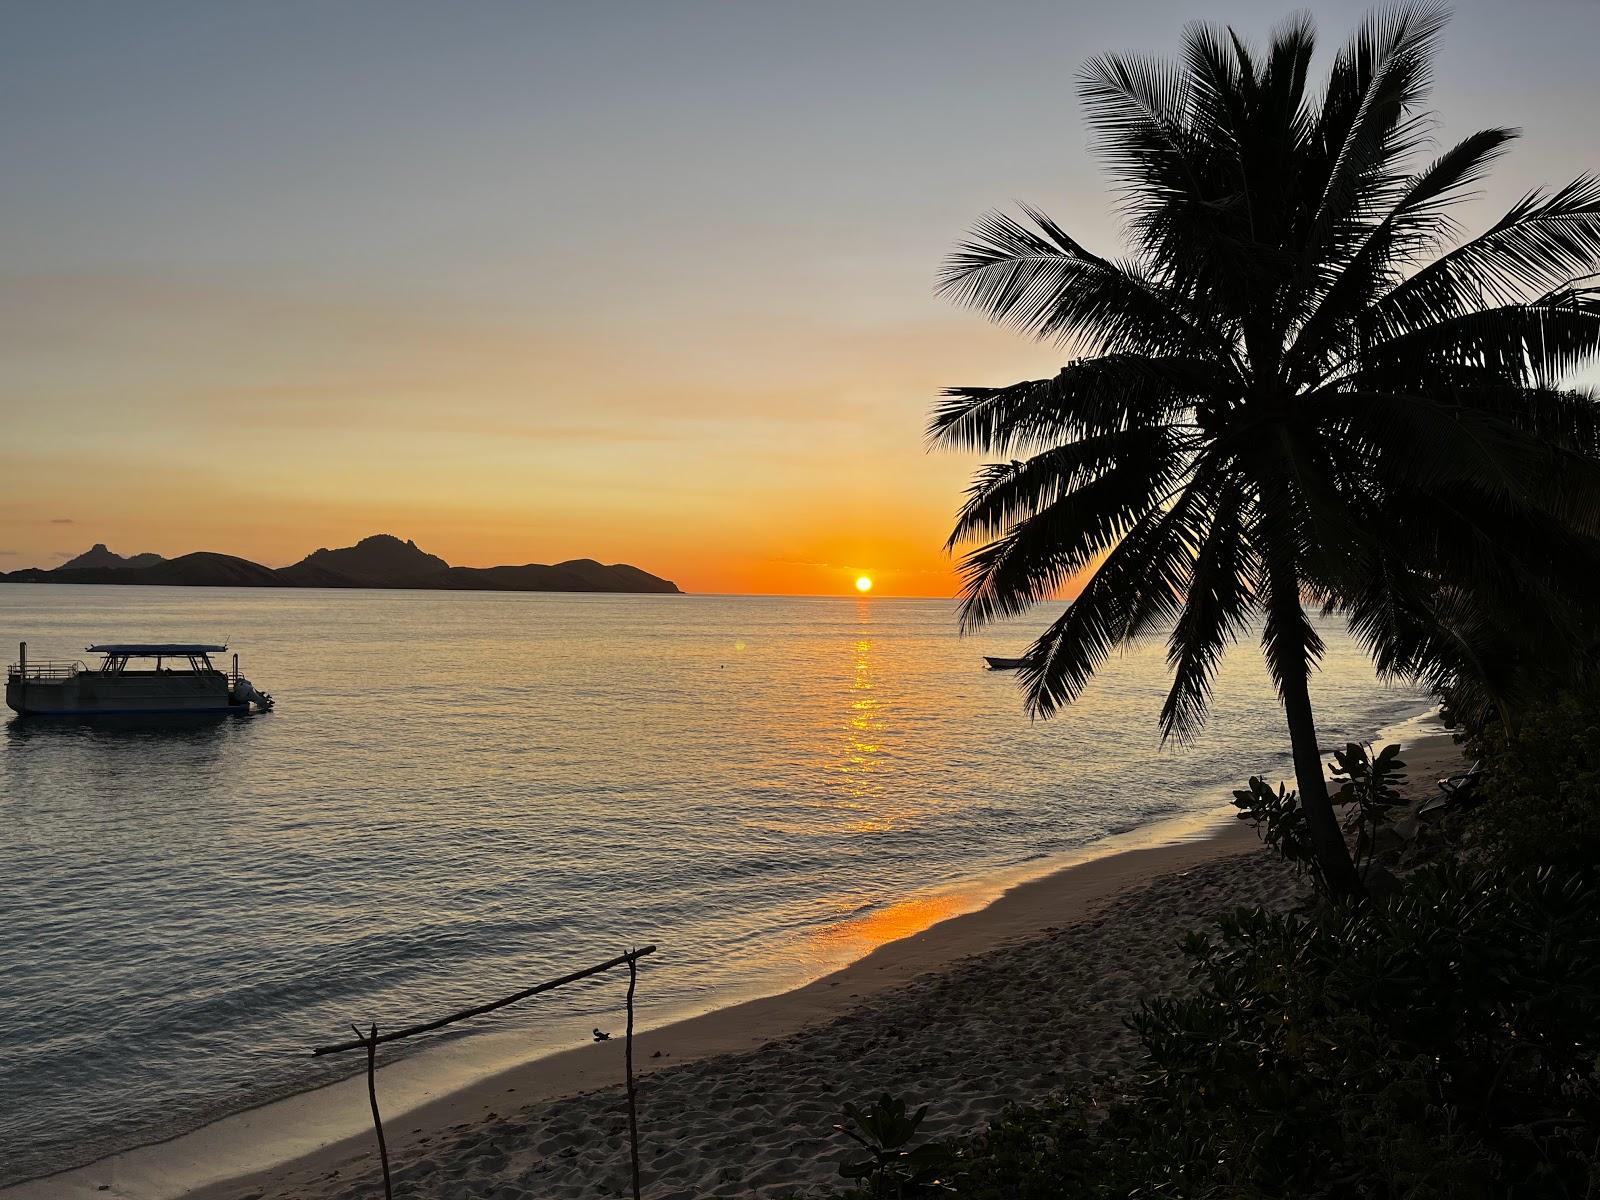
{"x": 1369, "y": 790}
{"x": 1290, "y": 392}
{"x": 892, "y": 1166}
{"x": 1281, "y": 824}
{"x": 1439, "y": 1043}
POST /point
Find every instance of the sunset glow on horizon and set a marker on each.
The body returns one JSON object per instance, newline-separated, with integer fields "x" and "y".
{"x": 537, "y": 283}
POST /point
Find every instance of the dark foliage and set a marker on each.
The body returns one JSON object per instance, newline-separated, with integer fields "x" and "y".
{"x": 1291, "y": 379}
{"x": 1542, "y": 791}
{"x": 1440, "y": 1043}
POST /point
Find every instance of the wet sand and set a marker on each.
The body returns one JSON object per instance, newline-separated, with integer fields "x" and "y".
{"x": 1006, "y": 1003}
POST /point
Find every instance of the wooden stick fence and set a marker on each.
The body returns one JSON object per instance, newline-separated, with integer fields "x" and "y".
{"x": 546, "y": 986}
{"x": 372, "y": 1040}
{"x": 633, "y": 1095}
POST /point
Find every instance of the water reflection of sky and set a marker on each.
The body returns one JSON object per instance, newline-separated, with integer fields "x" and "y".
{"x": 459, "y": 792}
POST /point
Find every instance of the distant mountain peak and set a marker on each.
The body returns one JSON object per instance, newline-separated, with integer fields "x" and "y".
{"x": 99, "y": 557}
{"x": 380, "y": 560}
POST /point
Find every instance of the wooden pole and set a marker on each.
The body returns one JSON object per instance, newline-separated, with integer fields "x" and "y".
{"x": 371, "y": 1042}
{"x": 547, "y": 985}
{"x": 633, "y": 1093}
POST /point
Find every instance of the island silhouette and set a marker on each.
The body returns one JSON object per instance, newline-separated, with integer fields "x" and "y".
{"x": 379, "y": 561}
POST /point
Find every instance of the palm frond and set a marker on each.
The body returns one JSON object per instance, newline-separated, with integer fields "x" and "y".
{"x": 1044, "y": 283}
{"x": 1543, "y": 243}
{"x": 1370, "y": 116}
{"x": 1139, "y": 582}
{"x": 1217, "y": 607}
{"x": 1417, "y": 221}
{"x": 1085, "y": 398}
{"x": 1536, "y": 344}
{"x": 1003, "y": 493}
{"x": 1290, "y": 644}
{"x": 1138, "y": 110}
{"x": 1039, "y": 553}
{"x": 1217, "y": 69}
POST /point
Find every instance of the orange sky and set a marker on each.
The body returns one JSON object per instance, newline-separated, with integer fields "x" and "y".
{"x": 648, "y": 283}
{"x": 488, "y": 443}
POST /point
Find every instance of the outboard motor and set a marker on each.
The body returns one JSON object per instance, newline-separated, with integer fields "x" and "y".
{"x": 244, "y": 693}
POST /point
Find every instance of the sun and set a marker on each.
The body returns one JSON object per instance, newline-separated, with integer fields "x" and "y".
{"x": 863, "y": 583}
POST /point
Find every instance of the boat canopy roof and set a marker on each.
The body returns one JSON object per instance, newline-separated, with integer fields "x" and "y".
{"x": 154, "y": 649}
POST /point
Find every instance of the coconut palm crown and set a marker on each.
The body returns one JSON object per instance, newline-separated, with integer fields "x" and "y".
{"x": 1302, "y": 387}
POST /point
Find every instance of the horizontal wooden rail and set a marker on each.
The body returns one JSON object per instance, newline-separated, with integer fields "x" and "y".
{"x": 547, "y": 985}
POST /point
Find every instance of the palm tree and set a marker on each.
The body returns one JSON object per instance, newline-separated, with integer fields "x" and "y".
{"x": 1289, "y": 393}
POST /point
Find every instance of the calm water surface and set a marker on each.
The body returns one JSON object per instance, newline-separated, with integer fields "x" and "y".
{"x": 463, "y": 793}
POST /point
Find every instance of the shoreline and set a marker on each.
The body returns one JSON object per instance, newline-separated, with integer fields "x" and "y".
{"x": 327, "y": 1132}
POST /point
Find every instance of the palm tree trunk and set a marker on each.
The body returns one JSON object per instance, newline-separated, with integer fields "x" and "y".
{"x": 1327, "y": 839}
{"x": 1292, "y": 669}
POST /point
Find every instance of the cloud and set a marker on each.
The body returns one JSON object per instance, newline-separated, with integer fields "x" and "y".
{"x": 62, "y": 521}
{"x": 9, "y": 553}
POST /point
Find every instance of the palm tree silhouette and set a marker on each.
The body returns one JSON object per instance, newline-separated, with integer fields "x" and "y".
{"x": 1290, "y": 393}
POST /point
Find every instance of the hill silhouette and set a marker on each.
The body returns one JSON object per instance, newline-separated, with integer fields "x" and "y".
{"x": 379, "y": 561}
{"x": 98, "y": 557}
{"x": 201, "y": 569}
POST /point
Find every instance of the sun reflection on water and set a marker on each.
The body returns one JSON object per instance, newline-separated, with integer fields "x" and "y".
{"x": 868, "y": 798}
{"x": 853, "y": 937}
{"x": 861, "y": 748}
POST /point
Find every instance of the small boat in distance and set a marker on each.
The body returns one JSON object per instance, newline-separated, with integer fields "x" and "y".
{"x": 1005, "y": 664}
{"x": 192, "y": 687}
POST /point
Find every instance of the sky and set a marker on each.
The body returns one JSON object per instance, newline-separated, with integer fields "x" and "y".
{"x": 642, "y": 282}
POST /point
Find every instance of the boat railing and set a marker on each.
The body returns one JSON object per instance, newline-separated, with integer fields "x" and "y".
{"x": 43, "y": 669}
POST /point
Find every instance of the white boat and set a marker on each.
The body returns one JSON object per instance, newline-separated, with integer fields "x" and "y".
{"x": 181, "y": 682}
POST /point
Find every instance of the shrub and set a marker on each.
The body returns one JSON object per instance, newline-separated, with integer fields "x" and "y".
{"x": 1440, "y": 1043}
{"x": 1542, "y": 788}
{"x": 892, "y": 1165}
{"x": 1368, "y": 790}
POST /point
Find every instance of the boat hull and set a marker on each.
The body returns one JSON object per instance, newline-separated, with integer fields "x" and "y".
{"x": 93, "y": 694}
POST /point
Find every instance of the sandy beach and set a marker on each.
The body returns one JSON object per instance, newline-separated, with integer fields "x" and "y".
{"x": 1007, "y": 1003}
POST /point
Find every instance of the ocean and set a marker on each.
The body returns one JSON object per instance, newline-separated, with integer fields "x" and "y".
{"x": 460, "y": 794}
